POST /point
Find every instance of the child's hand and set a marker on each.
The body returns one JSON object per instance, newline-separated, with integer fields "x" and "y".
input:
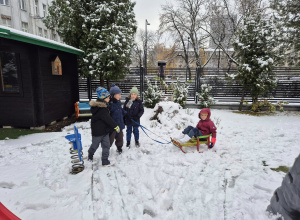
{"x": 117, "y": 129}
{"x": 129, "y": 103}
{"x": 213, "y": 142}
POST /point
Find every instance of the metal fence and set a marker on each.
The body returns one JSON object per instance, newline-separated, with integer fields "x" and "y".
{"x": 223, "y": 90}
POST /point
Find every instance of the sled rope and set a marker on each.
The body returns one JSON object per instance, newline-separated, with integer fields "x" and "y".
{"x": 143, "y": 127}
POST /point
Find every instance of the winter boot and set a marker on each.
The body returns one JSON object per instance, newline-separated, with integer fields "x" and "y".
{"x": 128, "y": 144}
{"x": 105, "y": 162}
{"x": 185, "y": 139}
{"x": 180, "y": 137}
{"x": 119, "y": 150}
{"x": 137, "y": 143}
{"x": 90, "y": 157}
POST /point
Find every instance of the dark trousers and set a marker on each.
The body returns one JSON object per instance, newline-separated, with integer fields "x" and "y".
{"x": 191, "y": 132}
{"x": 136, "y": 132}
{"x": 118, "y": 137}
{"x": 104, "y": 140}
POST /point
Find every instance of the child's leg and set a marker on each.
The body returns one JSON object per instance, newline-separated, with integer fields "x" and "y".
{"x": 119, "y": 140}
{"x": 187, "y": 129}
{"x": 136, "y": 133}
{"x": 128, "y": 132}
{"x": 194, "y": 132}
{"x": 112, "y": 137}
{"x": 105, "y": 144}
{"x": 95, "y": 144}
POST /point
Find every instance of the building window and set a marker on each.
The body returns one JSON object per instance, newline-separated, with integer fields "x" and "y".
{"x": 40, "y": 32}
{"x": 36, "y": 7}
{"x": 45, "y": 34}
{"x": 44, "y": 10}
{"x": 6, "y": 20}
{"x": 22, "y": 4}
{"x": 4, "y": 2}
{"x": 9, "y": 72}
{"x": 53, "y": 36}
{"x": 25, "y": 27}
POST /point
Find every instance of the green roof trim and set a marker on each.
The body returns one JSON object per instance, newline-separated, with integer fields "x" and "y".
{"x": 13, "y": 34}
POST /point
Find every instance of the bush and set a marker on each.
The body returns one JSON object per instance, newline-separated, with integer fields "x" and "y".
{"x": 205, "y": 99}
{"x": 180, "y": 91}
{"x": 152, "y": 95}
{"x": 263, "y": 105}
{"x": 280, "y": 105}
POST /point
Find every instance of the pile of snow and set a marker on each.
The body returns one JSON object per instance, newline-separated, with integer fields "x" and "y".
{"x": 154, "y": 181}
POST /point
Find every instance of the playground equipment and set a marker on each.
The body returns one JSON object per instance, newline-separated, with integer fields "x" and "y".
{"x": 82, "y": 109}
{"x": 5, "y": 214}
{"x": 76, "y": 151}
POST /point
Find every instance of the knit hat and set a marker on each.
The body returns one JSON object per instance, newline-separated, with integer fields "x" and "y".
{"x": 102, "y": 93}
{"x": 134, "y": 90}
{"x": 115, "y": 90}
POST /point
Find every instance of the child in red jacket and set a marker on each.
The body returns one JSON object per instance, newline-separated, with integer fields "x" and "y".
{"x": 204, "y": 127}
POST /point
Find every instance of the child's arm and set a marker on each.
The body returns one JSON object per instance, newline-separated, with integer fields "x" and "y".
{"x": 213, "y": 131}
{"x": 108, "y": 119}
{"x": 141, "y": 110}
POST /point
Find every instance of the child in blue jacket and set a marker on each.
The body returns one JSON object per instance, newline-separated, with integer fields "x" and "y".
{"x": 117, "y": 114}
{"x": 135, "y": 109}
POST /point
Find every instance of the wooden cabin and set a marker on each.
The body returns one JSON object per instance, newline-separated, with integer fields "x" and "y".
{"x": 38, "y": 79}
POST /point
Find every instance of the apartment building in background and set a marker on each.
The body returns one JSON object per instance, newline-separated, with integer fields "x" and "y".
{"x": 27, "y": 16}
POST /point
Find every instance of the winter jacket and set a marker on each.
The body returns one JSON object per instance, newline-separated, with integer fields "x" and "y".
{"x": 117, "y": 113}
{"x": 134, "y": 112}
{"x": 207, "y": 126}
{"x": 101, "y": 122}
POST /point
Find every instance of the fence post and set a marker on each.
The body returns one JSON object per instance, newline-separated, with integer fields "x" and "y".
{"x": 199, "y": 71}
{"x": 142, "y": 82}
{"x": 88, "y": 81}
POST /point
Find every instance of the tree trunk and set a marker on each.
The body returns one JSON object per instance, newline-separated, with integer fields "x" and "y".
{"x": 242, "y": 100}
{"x": 107, "y": 85}
{"x": 101, "y": 81}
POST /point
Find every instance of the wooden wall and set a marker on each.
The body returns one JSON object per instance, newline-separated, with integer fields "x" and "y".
{"x": 44, "y": 97}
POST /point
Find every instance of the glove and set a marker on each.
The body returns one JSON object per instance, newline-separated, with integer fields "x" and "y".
{"x": 213, "y": 142}
{"x": 117, "y": 129}
{"x": 136, "y": 118}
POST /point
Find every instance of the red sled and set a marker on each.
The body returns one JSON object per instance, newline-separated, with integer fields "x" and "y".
{"x": 5, "y": 214}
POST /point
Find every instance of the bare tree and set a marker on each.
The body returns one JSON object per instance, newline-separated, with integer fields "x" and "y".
{"x": 188, "y": 24}
{"x": 192, "y": 19}
{"x": 138, "y": 50}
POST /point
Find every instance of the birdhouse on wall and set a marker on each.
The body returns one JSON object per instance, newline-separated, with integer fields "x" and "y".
{"x": 56, "y": 66}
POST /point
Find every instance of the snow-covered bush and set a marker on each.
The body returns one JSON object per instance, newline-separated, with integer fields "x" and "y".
{"x": 180, "y": 91}
{"x": 152, "y": 95}
{"x": 205, "y": 99}
{"x": 171, "y": 117}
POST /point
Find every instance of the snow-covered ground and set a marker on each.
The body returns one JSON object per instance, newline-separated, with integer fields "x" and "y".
{"x": 154, "y": 181}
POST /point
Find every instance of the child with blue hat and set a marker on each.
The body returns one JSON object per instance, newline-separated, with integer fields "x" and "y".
{"x": 101, "y": 125}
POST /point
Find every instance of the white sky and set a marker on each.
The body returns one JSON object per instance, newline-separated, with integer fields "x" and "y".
{"x": 150, "y": 10}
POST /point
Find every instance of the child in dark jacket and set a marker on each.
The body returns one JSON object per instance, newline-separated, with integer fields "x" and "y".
{"x": 101, "y": 125}
{"x": 204, "y": 127}
{"x": 117, "y": 113}
{"x": 135, "y": 109}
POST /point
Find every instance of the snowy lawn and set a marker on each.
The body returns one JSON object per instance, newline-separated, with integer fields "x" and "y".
{"x": 154, "y": 181}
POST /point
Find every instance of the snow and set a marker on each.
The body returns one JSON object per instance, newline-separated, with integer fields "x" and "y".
{"x": 155, "y": 181}
{"x": 22, "y": 33}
